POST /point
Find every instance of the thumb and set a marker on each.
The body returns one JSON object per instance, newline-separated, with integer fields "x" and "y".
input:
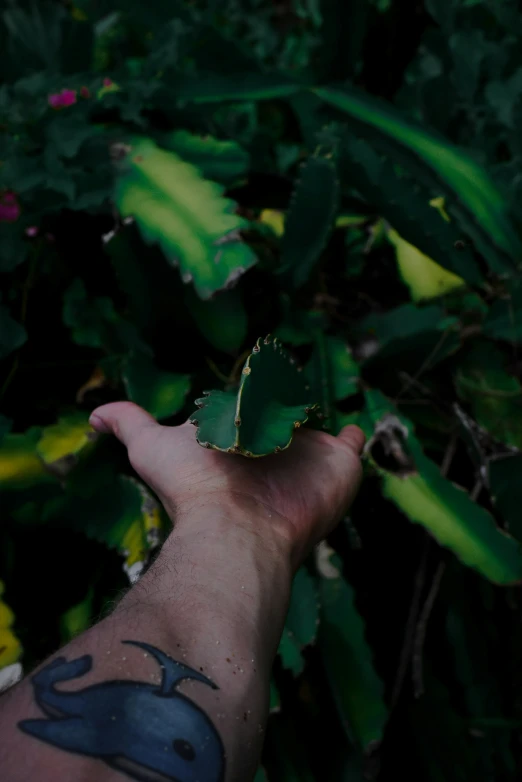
{"x": 125, "y": 420}
{"x": 353, "y": 437}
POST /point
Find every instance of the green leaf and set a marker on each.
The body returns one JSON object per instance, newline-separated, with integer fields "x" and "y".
{"x": 494, "y": 395}
{"x": 12, "y": 334}
{"x": 63, "y": 444}
{"x": 86, "y": 318}
{"x": 222, "y": 161}
{"x": 416, "y": 486}
{"x": 504, "y": 319}
{"x": 186, "y": 215}
{"x": 310, "y": 219}
{"x": 411, "y": 335}
{"x": 272, "y": 401}
{"x": 357, "y": 690}
{"x": 20, "y": 465}
{"x": 472, "y": 197}
{"x": 505, "y": 484}
{"x": 405, "y": 205}
{"x": 242, "y": 86}
{"x": 405, "y": 321}
{"x": 77, "y": 618}
{"x": 95, "y": 323}
{"x": 222, "y": 319}
{"x": 67, "y": 134}
{"x": 301, "y": 623}
{"x": 119, "y": 517}
{"x": 10, "y": 646}
{"x": 162, "y": 394}
{"x": 332, "y": 372}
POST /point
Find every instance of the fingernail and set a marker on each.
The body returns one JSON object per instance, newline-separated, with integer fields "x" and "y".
{"x": 99, "y": 424}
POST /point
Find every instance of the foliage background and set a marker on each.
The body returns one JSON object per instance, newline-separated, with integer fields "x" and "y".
{"x": 396, "y": 657}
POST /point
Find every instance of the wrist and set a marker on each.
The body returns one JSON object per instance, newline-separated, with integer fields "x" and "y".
{"x": 226, "y": 572}
{"x": 244, "y": 519}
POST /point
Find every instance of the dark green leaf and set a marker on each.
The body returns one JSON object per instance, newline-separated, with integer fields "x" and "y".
{"x": 262, "y": 416}
{"x": 301, "y": 622}
{"x": 310, "y": 219}
{"x": 505, "y": 484}
{"x": 357, "y": 690}
{"x": 406, "y": 206}
{"x": 472, "y": 197}
{"x": 222, "y": 320}
{"x": 494, "y": 395}
{"x": 162, "y": 394}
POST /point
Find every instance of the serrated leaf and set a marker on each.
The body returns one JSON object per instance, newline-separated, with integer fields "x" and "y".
{"x": 472, "y": 197}
{"x": 222, "y": 320}
{"x": 125, "y": 517}
{"x": 186, "y": 215}
{"x": 416, "y": 222}
{"x": 427, "y": 498}
{"x": 10, "y": 646}
{"x": 161, "y": 393}
{"x": 301, "y": 622}
{"x": 221, "y": 161}
{"x": 357, "y": 690}
{"x": 12, "y": 334}
{"x": 494, "y": 395}
{"x": 310, "y": 219}
{"x": 262, "y": 416}
{"x": 62, "y": 444}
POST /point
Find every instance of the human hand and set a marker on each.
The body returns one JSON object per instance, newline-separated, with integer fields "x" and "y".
{"x": 306, "y": 488}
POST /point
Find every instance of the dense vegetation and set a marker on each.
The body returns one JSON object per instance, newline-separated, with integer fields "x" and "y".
{"x": 178, "y": 180}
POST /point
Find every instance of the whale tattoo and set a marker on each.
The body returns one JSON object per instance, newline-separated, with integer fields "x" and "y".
{"x": 152, "y": 733}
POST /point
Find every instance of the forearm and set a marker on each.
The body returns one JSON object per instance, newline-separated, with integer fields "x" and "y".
{"x": 215, "y": 600}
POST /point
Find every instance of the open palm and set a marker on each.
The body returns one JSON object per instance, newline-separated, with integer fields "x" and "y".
{"x": 309, "y": 485}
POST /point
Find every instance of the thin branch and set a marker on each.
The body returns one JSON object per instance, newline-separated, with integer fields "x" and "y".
{"x": 409, "y": 631}
{"x": 420, "y": 633}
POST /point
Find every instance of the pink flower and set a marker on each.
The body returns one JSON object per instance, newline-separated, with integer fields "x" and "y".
{"x": 32, "y": 231}
{"x": 60, "y": 100}
{"x": 9, "y": 207}
{"x": 107, "y": 82}
{"x": 85, "y": 92}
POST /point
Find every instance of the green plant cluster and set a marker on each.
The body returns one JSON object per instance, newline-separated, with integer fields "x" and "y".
{"x": 180, "y": 180}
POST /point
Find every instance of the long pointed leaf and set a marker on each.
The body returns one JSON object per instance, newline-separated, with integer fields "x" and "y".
{"x": 472, "y": 196}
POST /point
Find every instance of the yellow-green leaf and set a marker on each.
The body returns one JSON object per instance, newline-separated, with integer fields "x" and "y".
{"x": 427, "y": 498}
{"x": 62, "y": 444}
{"x": 425, "y": 278}
{"x": 189, "y": 218}
{"x": 10, "y": 646}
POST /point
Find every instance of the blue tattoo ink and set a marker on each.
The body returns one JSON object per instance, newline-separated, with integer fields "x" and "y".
{"x": 153, "y": 733}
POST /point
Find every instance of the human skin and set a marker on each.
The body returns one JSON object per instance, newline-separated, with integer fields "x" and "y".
{"x": 215, "y": 600}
